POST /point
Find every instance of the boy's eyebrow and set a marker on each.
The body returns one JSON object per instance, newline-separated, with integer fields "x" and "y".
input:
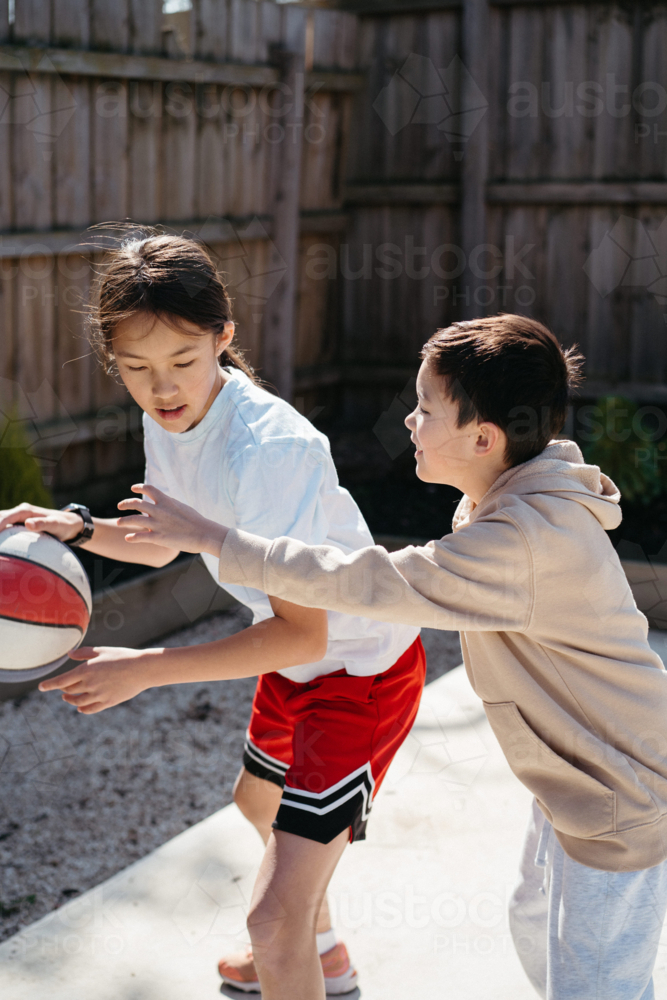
{"x": 138, "y": 357}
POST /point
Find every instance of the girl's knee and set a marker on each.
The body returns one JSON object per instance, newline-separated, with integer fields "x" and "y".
{"x": 279, "y": 943}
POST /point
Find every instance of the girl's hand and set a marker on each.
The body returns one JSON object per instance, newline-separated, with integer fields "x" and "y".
{"x": 108, "y": 676}
{"x": 168, "y": 522}
{"x": 62, "y": 524}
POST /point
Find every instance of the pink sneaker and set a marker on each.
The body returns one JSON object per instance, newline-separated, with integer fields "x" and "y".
{"x": 339, "y": 974}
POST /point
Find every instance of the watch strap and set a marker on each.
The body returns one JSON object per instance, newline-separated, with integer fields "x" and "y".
{"x": 88, "y": 526}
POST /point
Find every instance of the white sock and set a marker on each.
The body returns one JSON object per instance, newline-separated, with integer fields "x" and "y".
{"x": 326, "y": 941}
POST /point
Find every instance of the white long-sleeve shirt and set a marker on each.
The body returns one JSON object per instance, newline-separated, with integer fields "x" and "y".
{"x": 254, "y": 463}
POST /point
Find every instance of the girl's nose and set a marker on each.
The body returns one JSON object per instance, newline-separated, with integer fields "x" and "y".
{"x": 163, "y": 387}
{"x": 410, "y": 421}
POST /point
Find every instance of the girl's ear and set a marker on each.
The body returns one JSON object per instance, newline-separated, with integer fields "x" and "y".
{"x": 224, "y": 339}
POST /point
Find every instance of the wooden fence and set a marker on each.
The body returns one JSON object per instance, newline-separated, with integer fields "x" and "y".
{"x": 553, "y": 157}
{"x": 455, "y": 158}
{"x": 98, "y": 124}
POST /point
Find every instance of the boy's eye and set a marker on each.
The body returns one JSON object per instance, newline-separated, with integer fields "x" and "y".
{"x": 186, "y": 364}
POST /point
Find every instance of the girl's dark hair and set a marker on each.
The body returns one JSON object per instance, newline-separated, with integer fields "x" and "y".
{"x": 511, "y": 371}
{"x": 165, "y": 276}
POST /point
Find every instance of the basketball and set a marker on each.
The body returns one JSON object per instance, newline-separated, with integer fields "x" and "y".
{"x": 45, "y": 604}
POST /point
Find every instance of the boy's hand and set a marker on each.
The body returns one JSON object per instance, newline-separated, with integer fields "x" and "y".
{"x": 108, "y": 676}
{"x": 62, "y": 524}
{"x": 168, "y": 522}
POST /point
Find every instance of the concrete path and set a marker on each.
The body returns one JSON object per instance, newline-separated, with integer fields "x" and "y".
{"x": 421, "y": 904}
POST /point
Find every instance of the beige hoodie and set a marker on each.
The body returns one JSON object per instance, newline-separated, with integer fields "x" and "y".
{"x": 552, "y": 641}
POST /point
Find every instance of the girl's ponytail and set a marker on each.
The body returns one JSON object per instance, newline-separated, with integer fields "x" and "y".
{"x": 232, "y": 357}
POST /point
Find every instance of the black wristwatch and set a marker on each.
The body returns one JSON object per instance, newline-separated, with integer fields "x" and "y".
{"x": 88, "y": 526}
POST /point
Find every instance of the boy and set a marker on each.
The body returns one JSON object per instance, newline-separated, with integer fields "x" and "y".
{"x": 552, "y": 641}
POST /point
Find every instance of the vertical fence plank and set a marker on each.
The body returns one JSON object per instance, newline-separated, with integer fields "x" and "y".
{"x": 210, "y": 155}
{"x": 242, "y": 43}
{"x": 567, "y": 29}
{"x": 179, "y": 126}
{"x": 326, "y": 26}
{"x": 110, "y": 133}
{"x": 8, "y": 326}
{"x": 110, "y": 25}
{"x": 474, "y": 165}
{"x": 311, "y": 309}
{"x": 320, "y": 149}
{"x": 294, "y": 28}
{"x": 269, "y": 30}
{"x": 614, "y": 146}
{"x": 348, "y": 38}
{"x": 281, "y": 315}
{"x": 71, "y": 23}
{"x": 653, "y": 153}
{"x": 6, "y": 132}
{"x": 72, "y": 200}
{"x": 32, "y": 22}
{"x": 35, "y": 286}
{"x": 144, "y": 154}
{"x": 74, "y": 359}
{"x": 145, "y": 26}
{"x": 31, "y": 159}
{"x": 525, "y": 148}
{"x": 4, "y": 21}
{"x": 565, "y": 253}
{"x": 211, "y": 29}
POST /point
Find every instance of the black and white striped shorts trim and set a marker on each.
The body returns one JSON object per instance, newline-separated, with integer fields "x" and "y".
{"x": 263, "y": 766}
{"x": 321, "y": 816}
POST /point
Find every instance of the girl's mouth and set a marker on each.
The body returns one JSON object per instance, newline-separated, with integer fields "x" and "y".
{"x": 172, "y": 414}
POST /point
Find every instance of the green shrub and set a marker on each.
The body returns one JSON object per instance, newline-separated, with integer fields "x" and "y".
{"x": 20, "y": 474}
{"x": 627, "y": 442}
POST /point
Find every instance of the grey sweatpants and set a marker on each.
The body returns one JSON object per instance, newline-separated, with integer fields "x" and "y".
{"x": 582, "y": 933}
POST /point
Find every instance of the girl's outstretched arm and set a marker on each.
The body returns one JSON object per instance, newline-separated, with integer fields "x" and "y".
{"x": 108, "y": 539}
{"x": 110, "y": 675}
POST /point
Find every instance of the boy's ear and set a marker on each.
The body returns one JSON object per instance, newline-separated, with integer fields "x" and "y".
{"x": 489, "y": 437}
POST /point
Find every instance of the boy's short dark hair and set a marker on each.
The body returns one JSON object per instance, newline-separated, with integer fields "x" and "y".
{"x": 511, "y": 371}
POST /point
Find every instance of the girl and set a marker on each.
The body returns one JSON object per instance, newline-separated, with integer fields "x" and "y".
{"x": 337, "y": 694}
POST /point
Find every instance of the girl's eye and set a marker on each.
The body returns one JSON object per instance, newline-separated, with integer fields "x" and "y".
{"x": 186, "y": 364}
{"x": 140, "y": 369}
{"x": 422, "y": 410}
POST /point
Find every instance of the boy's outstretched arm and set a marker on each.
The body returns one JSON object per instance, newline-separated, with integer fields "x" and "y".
{"x": 110, "y": 675}
{"x": 478, "y": 579}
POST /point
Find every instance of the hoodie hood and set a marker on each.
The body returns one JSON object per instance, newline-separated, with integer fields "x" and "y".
{"x": 559, "y": 470}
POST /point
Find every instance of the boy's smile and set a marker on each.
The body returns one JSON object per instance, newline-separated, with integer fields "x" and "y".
{"x": 170, "y": 369}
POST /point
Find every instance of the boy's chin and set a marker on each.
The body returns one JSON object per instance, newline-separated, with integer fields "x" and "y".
{"x": 429, "y": 477}
{"x": 424, "y": 475}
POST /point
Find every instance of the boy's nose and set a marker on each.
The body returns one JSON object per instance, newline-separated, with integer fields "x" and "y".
{"x": 410, "y": 421}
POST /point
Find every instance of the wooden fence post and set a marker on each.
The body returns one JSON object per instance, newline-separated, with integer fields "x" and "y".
{"x": 474, "y": 165}
{"x": 278, "y": 352}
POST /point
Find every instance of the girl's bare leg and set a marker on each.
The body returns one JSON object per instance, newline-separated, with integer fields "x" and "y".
{"x": 282, "y": 921}
{"x": 258, "y": 800}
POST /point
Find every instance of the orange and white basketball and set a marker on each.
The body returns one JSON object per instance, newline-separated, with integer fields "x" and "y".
{"x": 45, "y": 604}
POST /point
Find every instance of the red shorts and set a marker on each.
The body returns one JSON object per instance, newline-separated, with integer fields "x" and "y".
{"x": 328, "y": 743}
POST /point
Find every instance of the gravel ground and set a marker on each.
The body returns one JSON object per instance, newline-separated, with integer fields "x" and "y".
{"x": 82, "y": 797}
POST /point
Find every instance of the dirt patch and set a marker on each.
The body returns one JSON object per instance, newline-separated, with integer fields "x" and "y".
{"x": 82, "y": 797}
